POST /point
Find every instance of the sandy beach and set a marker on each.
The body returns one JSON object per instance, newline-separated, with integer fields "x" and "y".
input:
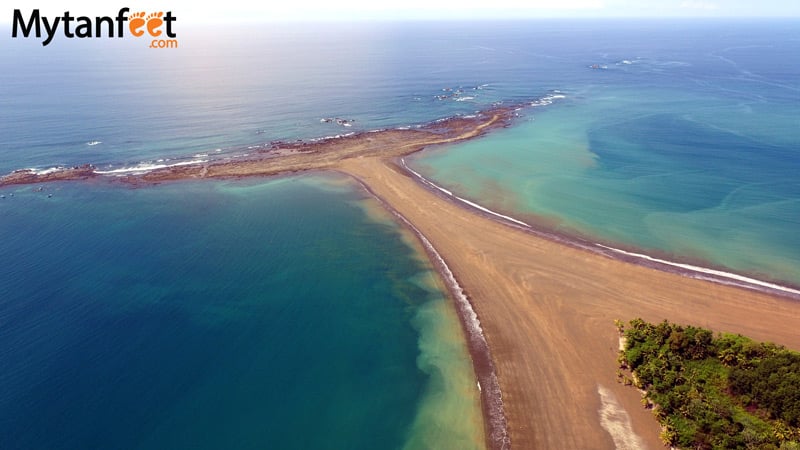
{"x": 547, "y": 309}
{"x": 277, "y": 158}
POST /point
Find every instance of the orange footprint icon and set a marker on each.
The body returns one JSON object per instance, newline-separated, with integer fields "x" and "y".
{"x": 153, "y": 22}
{"x": 135, "y": 22}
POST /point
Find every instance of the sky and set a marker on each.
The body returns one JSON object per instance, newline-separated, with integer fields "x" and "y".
{"x": 227, "y": 11}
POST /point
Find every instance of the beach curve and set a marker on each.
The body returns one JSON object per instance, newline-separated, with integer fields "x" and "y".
{"x": 546, "y": 307}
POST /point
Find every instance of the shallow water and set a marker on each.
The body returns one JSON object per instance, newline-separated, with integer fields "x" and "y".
{"x": 695, "y": 159}
{"x": 224, "y": 314}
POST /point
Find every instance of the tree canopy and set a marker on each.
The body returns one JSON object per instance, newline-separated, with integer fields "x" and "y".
{"x": 714, "y": 392}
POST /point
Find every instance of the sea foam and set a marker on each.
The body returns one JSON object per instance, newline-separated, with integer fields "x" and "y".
{"x": 487, "y": 382}
{"x": 742, "y": 280}
{"x": 698, "y": 272}
{"x": 146, "y": 167}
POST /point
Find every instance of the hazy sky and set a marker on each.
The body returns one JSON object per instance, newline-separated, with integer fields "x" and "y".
{"x": 253, "y": 11}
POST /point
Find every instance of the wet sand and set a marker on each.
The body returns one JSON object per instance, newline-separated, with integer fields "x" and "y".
{"x": 547, "y": 311}
{"x": 546, "y": 308}
{"x": 287, "y": 157}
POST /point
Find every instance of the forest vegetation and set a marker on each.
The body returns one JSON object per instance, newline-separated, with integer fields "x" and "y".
{"x": 711, "y": 391}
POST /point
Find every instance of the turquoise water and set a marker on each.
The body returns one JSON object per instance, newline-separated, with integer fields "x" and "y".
{"x": 289, "y": 314}
{"x": 264, "y": 314}
{"x": 693, "y": 157}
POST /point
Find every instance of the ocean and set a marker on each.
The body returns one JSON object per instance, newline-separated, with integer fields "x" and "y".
{"x": 687, "y": 148}
{"x": 284, "y": 313}
{"x": 291, "y": 313}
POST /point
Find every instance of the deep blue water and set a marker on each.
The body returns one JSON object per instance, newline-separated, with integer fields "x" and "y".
{"x": 226, "y": 84}
{"x": 245, "y": 314}
{"x": 206, "y": 315}
{"x": 223, "y": 86}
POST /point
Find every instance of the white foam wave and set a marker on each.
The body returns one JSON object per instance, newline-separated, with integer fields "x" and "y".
{"x": 718, "y": 273}
{"x": 473, "y": 323}
{"x": 146, "y": 167}
{"x": 463, "y": 99}
{"x": 47, "y": 171}
{"x": 616, "y": 421}
{"x": 548, "y": 99}
{"x": 499, "y": 426}
{"x": 738, "y": 280}
{"x": 335, "y": 136}
{"x": 497, "y": 418}
{"x": 423, "y": 179}
{"x": 489, "y": 211}
{"x": 463, "y": 200}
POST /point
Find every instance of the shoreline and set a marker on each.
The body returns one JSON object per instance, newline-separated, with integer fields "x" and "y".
{"x": 631, "y": 254}
{"x": 495, "y": 423}
{"x": 285, "y": 158}
{"x": 591, "y": 287}
{"x": 524, "y": 283}
{"x": 279, "y": 157}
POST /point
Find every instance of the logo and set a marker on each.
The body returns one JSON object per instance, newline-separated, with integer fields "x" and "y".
{"x": 139, "y": 24}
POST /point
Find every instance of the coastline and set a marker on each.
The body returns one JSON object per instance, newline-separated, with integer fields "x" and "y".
{"x": 707, "y": 272}
{"x": 277, "y": 158}
{"x": 527, "y": 286}
{"x": 495, "y": 422}
{"x": 528, "y": 292}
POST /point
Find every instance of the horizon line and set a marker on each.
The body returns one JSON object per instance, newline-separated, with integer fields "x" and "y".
{"x": 384, "y": 19}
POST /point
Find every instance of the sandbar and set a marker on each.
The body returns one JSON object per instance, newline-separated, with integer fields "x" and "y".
{"x": 546, "y": 307}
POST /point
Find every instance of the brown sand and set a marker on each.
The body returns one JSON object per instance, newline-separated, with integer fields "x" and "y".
{"x": 547, "y": 309}
{"x": 280, "y": 158}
